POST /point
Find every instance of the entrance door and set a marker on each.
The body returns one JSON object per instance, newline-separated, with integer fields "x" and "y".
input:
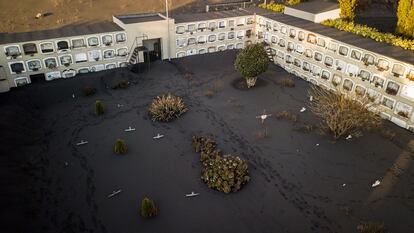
{"x": 154, "y": 49}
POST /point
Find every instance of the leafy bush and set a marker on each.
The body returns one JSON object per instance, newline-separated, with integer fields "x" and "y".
{"x": 99, "y": 108}
{"x": 371, "y": 227}
{"x": 273, "y": 7}
{"x": 286, "y": 82}
{"x": 167, "y": 107}
{"x": 292, "y": 2}
{"x": 148, "y": 208}
{"x": 341, "y": 115}
{"x": 89, "y": 91}
{"x": 225, "y": 173}
{"x": 405, "y": 23}
{"x": 347, "y": 9}
{"x": 370, "y": 32}
{"x": 120, "y": 147}
{"x": 251, "y": 62}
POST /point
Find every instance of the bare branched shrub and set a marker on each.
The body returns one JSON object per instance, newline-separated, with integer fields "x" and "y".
{"x": 341, "y": 114}
{"x": 287, "y": 116}
{"x": 286, "y": 82}
{"x": 166, "y": 108}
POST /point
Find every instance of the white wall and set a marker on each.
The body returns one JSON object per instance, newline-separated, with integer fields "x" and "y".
{"x": 316, "y": 18}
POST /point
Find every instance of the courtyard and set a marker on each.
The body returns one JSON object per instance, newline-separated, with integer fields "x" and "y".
{"x": 301, "y": 180}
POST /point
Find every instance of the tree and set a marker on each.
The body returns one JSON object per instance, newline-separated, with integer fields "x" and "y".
{"x": 405, "y": 14}
{"x": 99, "y": 108}
{"x": 251, "y": 62}
{"x": 347, "y": 9}
{"x": 120, "y": 147}
{"x": 148, "y": 208}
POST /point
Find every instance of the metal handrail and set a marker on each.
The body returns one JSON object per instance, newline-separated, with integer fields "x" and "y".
{"x": 136, "y": 43}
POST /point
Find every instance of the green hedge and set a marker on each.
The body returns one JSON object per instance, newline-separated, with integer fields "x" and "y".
{"x": 273, "y": 7}
{"x": 370, "y": 32}
{"x": 347, "y": 9}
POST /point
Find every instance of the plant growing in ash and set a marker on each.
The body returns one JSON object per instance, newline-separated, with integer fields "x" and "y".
{"x": 225, "y": 173}
{"x": 120, "y": 147}
{"x": 148, "y": 208}
{"x": 343, "y": 115}
{"x": 167, "y": 107}
{"x": 99, "y": 108}
{"x": 251, "y": 62}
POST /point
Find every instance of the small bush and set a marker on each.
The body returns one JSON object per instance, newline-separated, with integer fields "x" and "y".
{"x": 148, "y": 208}
{"x": 251, "y": 62}
{"x": 287, "y": 116}
{"x": 292, "y": 2}
{"x": 99, "y": 108}
{"x": 223, "y": 173}
{"x": 370, "y": 32}
{"x": 273, "y": 7}
{"x": 342, "y": 115}
{"x": 166, "y": 108}
{"x": 371, "y": 227}
{"x": 123, "y": 84}
{"x": 120, "y": 147}
{"x": 89, "y": 91}
{"x": 286, "y": 82}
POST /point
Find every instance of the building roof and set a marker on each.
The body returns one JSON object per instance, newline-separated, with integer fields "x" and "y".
{"x": 66, "y": 31}
{"x": 385, "y": 49}
{"x": 316, "y": 6}
{"x": 139, "y": 18}
{"x": 184, "y": 18}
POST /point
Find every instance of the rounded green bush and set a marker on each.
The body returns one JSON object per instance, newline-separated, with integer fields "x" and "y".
{"x": 252, "y": 61}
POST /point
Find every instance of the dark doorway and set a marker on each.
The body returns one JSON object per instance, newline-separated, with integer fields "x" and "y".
{"x": 38, "y": 78}
{"x": 154, "y": 49}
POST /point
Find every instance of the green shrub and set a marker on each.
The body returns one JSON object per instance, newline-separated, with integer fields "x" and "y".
{"x": 251, "y": 62}
{"x": 89, "y": 91}
{"x": 120, "y": 147}
{"x": 347, "y": 9}
{"x": 225, "y": 173}
{"x": 370, "y": 32}
{"x": 99, "y": 108}
{"x": 292, "y": 2}
{"x": 167, "y": 107}
{"x": 273, "y": 7}
{"x": 148, "y": 208}
{"x": 405, "y": 14}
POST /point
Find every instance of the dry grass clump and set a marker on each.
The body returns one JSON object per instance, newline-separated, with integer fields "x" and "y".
{"x": 306, "y": 128}
{"x": 167, "y": 107}
{"x": 388, "y": 134}
{"x": 286, "y": 82}
{"x": 225, "y": 173}
{"x": 123, "y": 84}
{"x": 371, "y": 227}
{"x": 209, "y": 93}
{"x": 287, "y": 116}
{"x": 341, "y": 115}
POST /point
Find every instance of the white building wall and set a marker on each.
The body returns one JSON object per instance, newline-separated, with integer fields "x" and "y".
{"x": 316, "y": 18}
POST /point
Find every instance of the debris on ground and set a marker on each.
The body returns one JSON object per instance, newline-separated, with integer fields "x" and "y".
{"x": 129, "y": 129}
{"x": 302, "y": 109}
{"x": 317, "y": 144}
{"x": 376, "y": 183}
{"x": 82, "y": 142}
{"x": 158, "y": 136}
{"x": 349, "y": 137}
{"x": 73, "y": 95}
{"x": 192, "y": 194}
{"x": 114, "y": 193}
{"x": 311, "y": 98}
{"x": 264, "y": 116}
